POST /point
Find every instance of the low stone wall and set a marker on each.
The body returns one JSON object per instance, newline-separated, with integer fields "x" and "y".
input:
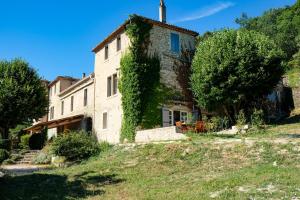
{"x": 159, "y": 134}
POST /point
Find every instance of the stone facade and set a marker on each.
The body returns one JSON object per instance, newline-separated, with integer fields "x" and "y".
{"x": 104, "y": 105}
{"x": 160, "y": 44}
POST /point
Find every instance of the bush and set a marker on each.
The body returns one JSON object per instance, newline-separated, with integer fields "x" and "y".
{"x": 37, "y": 141}
{"x": 257, "y": 118}
{"x": 5, "y": 144}
{"x": 75, "y": 146}
{"x": 105, "y": 146}
{"x": 24, "y": 143}
{"x": 44, "y": 157}
{"x": 216, "y": 123}
{"x": 3, "y": 155}
{"x": 241, "y": 119}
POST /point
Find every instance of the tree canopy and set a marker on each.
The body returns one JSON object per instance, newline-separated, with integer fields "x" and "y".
{"x": 234, "y": 68}
{"x": 22, "y": 95}
{"x": 282, "y": 25}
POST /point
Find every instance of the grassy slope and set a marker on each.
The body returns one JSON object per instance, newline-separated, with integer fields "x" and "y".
{"x": 202, "y": 168}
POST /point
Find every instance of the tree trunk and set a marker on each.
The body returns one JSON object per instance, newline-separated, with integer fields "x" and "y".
{"x": 4, "y": 132}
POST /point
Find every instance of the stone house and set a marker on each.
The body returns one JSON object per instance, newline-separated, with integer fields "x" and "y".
{"x": 68, "y": 108}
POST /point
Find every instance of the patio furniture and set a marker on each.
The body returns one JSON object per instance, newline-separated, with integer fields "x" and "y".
{"x": 200, "y": 127}
{"x": 182, "y": 126}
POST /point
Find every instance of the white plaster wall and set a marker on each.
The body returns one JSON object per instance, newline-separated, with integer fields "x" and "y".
{"x": 78, "y": 107}
{"x": 111, "y": 105}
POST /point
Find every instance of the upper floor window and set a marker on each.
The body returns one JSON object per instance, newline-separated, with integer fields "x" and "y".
{"x": 109, "y": 86}
{"x": 50, "y": 92}
{"x": 55, "y": 88}
{"x": 106, "y": 52}
{"x": 115, "y": 84}
{"x": 72, "y": 103}
{"x": 85, "y": 97}
{"x": 62, "y": 107}
{"x": 175, "y": 43}
{"x": 112, "y": 85}
{"x": 118, "y": 43}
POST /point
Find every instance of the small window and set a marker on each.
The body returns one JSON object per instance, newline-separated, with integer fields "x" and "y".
{"x": 175, "y": 43}
{"x": 72, "y": 103}
{"x": 115, "y": 84}
{"x": 118, "y": 43}
{"x": 104, "y": 125}
{"x": 55, "y": 88}
{"x": 52, "y": 112}
{"x": 106, "y": 52}
{"x": 109, "y": 86}
{"x": 50, "y": 92}
{"x": 85, "y": 97}
{"x": 183, "y": 116}
{"x": 62, "y": 107}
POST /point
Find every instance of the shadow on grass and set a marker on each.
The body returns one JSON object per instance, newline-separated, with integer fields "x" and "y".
{"x": 58, "y": 187}
{"x": 290, "y": 120}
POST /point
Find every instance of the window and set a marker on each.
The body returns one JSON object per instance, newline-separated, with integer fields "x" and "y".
{"x": 85, "y": 97}
{"x": 115, "y": 84}
{"x": 183, "y": 116}
{"x": 72, "y": 103}
{"x": 55, "y": 88}
{"x": 62, "y": 107}
{"x": 50, "y": 92}
{"x": 175, "y": 43}
{"x": 104, "y": 125}
{"x": 106, "y": 52}
{"x": 109, "y": 86}
{"x": 52, "y": 112}
{"x": 170, "y": 118}
{"x": 118, "y": 43}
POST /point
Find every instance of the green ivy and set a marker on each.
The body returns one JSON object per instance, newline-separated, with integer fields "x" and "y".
{"x": 139, "y": 85}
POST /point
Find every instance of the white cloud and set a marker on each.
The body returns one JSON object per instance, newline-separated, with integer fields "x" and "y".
{"x": 205, "y": 12}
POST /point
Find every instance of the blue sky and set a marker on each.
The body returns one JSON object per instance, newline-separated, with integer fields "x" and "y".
{"x": 56, "y": 36}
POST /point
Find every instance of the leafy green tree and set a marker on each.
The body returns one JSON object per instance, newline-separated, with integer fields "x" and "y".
{"x": 233, "y": 68}
{"x": 282, "y": 25}
{"x": 22, "y": 95}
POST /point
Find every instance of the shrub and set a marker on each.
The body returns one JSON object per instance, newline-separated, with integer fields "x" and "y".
{"x": 105, "y": 146}
{"x": 75, "y": 146}
{"x": 24, "y": 143}
{"x": 37, "y": 141}
{"x": 5, "y": 144}
{"x": 3, "y": 155}
{"x": 216, "y": 123}
{"x": 44, "y": 157}
{"x": 241, "y": 118}
{"x": 257, "y": 118}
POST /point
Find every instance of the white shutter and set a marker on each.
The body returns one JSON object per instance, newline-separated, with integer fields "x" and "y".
{"x": 165, "y": 117}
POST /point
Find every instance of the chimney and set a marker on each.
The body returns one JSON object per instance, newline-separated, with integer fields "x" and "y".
{"x": 83, "y": 75}
{"x": 162, "y": 12}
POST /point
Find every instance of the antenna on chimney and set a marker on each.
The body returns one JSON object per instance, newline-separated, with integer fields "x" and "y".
{"x": 162, "y": 12}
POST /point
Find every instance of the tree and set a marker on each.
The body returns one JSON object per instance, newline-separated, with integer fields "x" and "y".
{"x": 233, "y": 68}
{"x": 282, "y": 25}
{"x": 22, "y": 95}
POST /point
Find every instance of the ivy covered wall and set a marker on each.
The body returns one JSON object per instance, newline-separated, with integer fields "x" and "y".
{"x": 140, "y": 81}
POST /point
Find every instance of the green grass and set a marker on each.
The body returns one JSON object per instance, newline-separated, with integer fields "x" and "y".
{"x": 200, "y": 168}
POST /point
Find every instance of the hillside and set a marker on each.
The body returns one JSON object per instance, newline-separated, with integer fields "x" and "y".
{"x": 256, "y": 166}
